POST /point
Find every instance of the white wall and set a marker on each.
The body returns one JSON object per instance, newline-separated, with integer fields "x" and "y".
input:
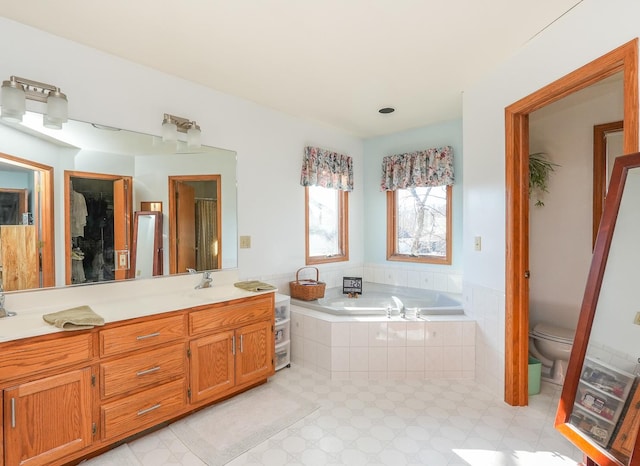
{"x": 590, "y": 30}
{"x": 110, "y": 91}
{"x": 561, "y": 231}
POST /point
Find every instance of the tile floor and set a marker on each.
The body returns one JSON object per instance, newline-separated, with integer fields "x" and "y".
{"x": 391, "y": 422}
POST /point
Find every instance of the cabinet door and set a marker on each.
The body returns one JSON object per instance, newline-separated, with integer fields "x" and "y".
{"x": 211, "y": 365}
{"x": 254, "y": 354}
{"x": 47, "y": 419}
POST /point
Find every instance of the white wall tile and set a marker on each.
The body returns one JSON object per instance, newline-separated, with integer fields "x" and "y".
{"x": 397, "y": 359}
{"x": 433, "y": 358}
{"x": 358, "y": 359}
{"x": 415, "y": 333}
{"x": 377, "y": 334}
{"x": 309, "y": 328}
{"x": 340, "y": 334}
{"x": 378, "y": 359}
{"x": 397, "y": 334}
{"x": 452, "y": 358}
{"x": 297, "y": 324}
{"x": 323, "y": 332}
{"x": 297, "y": 349}
{"x": 452, "y": 333}
{"x": 358, "y": 334}
{"x": 340, "y": 359}
{"x": 427, "y": 280}
{"x": 434, "y": 333}
{"x": 415, "y": 359}
{"x": 323, "y": 358}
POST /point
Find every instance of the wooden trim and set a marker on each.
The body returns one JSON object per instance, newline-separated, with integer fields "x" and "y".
{"x": 43, "y": 214}
{"x": 392, "y": 228}
{"x": 600, "y": 170}
{"x": 587, "y": 315}
{"x": 173, "y": 227}
{"x": 623, "y": 59}
{"x": 343, "y": 231}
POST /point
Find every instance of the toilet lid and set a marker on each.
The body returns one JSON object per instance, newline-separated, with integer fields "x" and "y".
{"x": 560, "y": 334}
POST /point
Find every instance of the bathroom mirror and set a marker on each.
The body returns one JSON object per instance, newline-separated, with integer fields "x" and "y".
{"x": 599, "y": 409}
{"x": 146, "y": 254}
{"x": 94, "y": 148}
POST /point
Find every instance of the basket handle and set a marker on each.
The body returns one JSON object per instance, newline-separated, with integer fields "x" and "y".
{"x": 302, "y": 268}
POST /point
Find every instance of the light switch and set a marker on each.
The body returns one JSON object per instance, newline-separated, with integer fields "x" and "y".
{"x": 245, "y": 242}
{"x": 637, "y": 320}
{"x": 477, "y": 243}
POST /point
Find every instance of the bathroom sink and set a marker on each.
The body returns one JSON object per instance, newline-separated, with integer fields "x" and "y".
{"x": 216, "y": 294}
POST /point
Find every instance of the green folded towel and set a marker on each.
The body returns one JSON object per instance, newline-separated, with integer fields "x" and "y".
{"x": 76, "y": 318}
{"x": 255, "y": 285}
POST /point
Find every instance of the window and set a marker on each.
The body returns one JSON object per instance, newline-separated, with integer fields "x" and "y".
{"x": 326, "y": 226}
{"x": 419, "y": 224}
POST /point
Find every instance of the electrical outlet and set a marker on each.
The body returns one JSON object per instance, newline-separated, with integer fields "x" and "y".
{"x": 245, "y": 242}
{"x": 637, "y": 321}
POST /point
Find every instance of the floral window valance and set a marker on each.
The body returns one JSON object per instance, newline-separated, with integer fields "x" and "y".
{"x": 431, "y": 167}
{"x": 321, "y": 167}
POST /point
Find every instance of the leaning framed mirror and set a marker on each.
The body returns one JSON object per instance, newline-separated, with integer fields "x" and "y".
{"x": 599, "y": 409}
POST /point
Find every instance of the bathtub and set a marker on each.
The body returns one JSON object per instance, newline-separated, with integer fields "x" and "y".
{"x": 378, "y": 300}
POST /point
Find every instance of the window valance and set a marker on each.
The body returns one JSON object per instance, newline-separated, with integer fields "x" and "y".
{"x": 431, "y": 167}
{"x": 327, "y": 169}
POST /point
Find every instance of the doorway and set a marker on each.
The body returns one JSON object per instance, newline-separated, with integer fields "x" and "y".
{"x": 195, "y": 223}
{"x": 624, "y": 59}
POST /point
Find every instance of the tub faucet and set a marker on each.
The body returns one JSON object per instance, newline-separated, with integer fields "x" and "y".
{"x": 400, "y": 306}
{"x": 205, "y": 281}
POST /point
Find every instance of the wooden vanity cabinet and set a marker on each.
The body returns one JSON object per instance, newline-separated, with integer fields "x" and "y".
{"x": 48, "y": 419}
{"x": 47, "y": 398}
{"x": 235, "y": 349}
{"x": 70, "y": 394}
{"x": 142, "y": 374}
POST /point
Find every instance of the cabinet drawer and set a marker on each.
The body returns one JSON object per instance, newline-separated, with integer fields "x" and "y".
{"x": 142, "y": 335}
{"x": 23, "y": 357}
{"x": 142, "y": 370}
{"x": 233, "y": 314}
{"x": 143, "y": 410}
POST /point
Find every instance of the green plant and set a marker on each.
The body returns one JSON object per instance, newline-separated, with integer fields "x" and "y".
{"x": 539, "y": 169}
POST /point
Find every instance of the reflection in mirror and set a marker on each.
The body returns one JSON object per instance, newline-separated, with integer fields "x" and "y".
{"x": 194, "y": 222}
{"x": 32, "y": 184}
{"x": 86, "y": 147}
{"x": 146, "y": 255}
{"x": 97, "y": 213}
{"x": 600, "y": 405}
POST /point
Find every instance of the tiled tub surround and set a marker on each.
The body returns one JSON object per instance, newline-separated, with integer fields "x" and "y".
{"x": 343, "y": 347}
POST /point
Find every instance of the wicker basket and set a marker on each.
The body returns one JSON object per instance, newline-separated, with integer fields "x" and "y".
{"x": 307, "y": 290}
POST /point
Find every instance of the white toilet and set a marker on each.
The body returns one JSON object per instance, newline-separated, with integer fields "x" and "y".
{"x": 551, "y": 345}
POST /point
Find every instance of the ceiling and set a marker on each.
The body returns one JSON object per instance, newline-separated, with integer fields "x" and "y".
{"x": 332, "y": 61}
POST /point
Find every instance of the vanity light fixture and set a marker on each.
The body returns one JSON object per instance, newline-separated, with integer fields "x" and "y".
{"x": 16, "y": 90}
{"x": 172, "y": 125}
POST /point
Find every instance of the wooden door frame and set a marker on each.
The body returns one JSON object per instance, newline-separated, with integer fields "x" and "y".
{"x": 622, "y": 59}
{"x": 68, "y": 174}
{"x": 43, "y": 215}
{"x": 600, "y": 175}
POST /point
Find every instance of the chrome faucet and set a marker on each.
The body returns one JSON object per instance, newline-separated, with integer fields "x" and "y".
{"x": 400, "y": 306}
{"x": 206, "y": 280}
{"x": 3, "y": 311}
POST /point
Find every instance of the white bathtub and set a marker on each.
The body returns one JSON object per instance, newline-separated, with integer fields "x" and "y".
{"x": 378, "y": 300}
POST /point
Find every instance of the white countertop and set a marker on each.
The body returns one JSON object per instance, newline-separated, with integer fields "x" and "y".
{"x": 113, "y": 302}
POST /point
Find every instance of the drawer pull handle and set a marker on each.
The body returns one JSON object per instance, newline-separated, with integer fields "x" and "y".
{"x": 13, "y": 413}
{"x": 147, "y": 371}
{"x": 151, "y": 335}
{"x": 233, "y": 345}
{"x": 148, "y": 410}
{"x": 241, "y": 343}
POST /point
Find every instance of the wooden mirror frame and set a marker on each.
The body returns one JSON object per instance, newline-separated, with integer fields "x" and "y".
{"x": 157, "y": 241}
{"x": 594, "y": 454}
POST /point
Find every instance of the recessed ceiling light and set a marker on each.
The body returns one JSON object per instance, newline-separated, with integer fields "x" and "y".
{"x": 387, "y": 110}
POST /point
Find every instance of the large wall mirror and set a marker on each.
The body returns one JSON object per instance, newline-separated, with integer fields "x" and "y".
{"x": 599, "y": 409}
{"x": 42, "y": 164}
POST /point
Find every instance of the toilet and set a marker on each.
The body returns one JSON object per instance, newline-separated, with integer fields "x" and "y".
{"x": 551, "y": 345}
